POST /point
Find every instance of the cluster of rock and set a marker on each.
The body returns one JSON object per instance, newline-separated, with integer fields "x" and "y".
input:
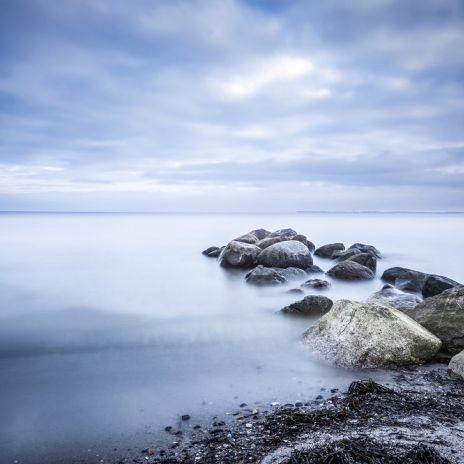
{"x": 393, "y": 326}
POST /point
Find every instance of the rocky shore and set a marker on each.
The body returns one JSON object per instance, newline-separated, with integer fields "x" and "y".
{"x": 412, "y": 322}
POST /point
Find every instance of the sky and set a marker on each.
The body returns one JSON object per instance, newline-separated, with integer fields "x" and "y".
{"x": 231, "y": 105}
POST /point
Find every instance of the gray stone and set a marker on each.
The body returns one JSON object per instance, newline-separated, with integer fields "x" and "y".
{"x": 316, "y": 283}
{"x": 456, "y": 366}
{"x": 443, "y": 315}
{"x": 408, "y": 285}
{"x": 354, "y": 334}
{"x": 238, "y": 254}
{"x": 349, "y": 270}
{"x": 261, "y": 275}
{"x": 303, "y": 239}
{"x": 416, "y": 278}
{"x": 343, "y": 255}
{"x": 326, "y": 251}
{"x": 253, "y": 236}
{"x": 285, "y": 234}
{"x": 210, "y": 250}
{"x": 363, "y": 248}
{"x": 290, "y": 253}
{"x": 311, "y": 305}
{"x": 313, "y": 269}
{"x": 436, "y": 284}
{"x": 366, "y": 259}
{"x": 215, "y": 253}
{"x": 388, "y": 295}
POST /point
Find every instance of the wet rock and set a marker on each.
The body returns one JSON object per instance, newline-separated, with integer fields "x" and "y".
{"x": 304, "y": 240}
{"x": 443, "y": 315}
{"x": 296, "y": 291}
{"x": 408, "y": 285}
{"x": 253, "y": 236}
{"x": 365, "y": 259}
{"x": 363, "y": 248}
{"x": 415, "y": 278}
{"x": 290, "y": 253}
{"x": 238, "y": 254}
{"x": 316, "y": 283}
{"x": 354, "y": 334}
{"x": 313, "y": 269}
{"x": 284, "y": 234}
{"x": 185, "y": 417}
{"x": 436, "y": 284}
{"x": 326, "y": 251}
{"x": 456, "y": 366}
{"x": 343, "y": 255}
{"x": 388, "y": 295}
{"x": 311, "y": 305}
{"x": 261, "y": 275}
{"x": 209, "y": 250}
{"x": 350, "y": 270}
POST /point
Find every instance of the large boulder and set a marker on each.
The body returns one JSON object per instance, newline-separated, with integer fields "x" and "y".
{"x": 363, "y": 248}
{"x": 415, "y": 279}
{"x": 456, "y": 366}
{"x": 326, "y": 251}
{"x": 389, "y": 296}
{"x": 436, "y": 284}
{"x": 311, "y": 305}
{"x": 354, "y": 334}
{"x": 239, "y": 254}
{"x": 366, "y": 259}
{"x": 290, "y": 253}
{"x": 349, "y": 270}
{"x": 443, "y": 315}
{"x": 261, "y": 275}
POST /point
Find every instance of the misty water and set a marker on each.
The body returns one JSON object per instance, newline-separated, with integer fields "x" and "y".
{"x": 113, "y": 325}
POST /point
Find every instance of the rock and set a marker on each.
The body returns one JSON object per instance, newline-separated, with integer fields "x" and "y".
{"x": 443, "y": 315}
{"x": 326, "y": 251}
{"x": 185, "y": 417}
{"x": 354, "y": 334}
{"x": 290, "y": 253}
{"x": 408, "y": 285}
{"x": 343, "y": 255}
{"x": 311, "y": 305}
{"x": 363, "y": 248}
{"x": 215, "y": 253}
{"x": 456, "y": 366}
{"x": 415, "y": 278}
{"x": 268, "y": 241}
{"x": 238, "y": 254}
{"x": 210, "y": 250}
{"x": 303, "y": 239}
{"x": 389, "y": 296}
{"x": 365, "y": 259}
{"x": 284, "y": 234}
{"x": 349, "y": 270}
{"x": 261, "y": 275}
{"x": 296, "y": 291}
{"x": 313, "y": 269}
{"x": 316, "y": 283}
{"x": 253, "y": 236}
{"x": 436, "y": 284}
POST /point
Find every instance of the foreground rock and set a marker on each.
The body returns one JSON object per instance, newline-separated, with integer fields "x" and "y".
{"x": 261, "y": 275}
{"x": 443, "y": 315}
{"x": 350, "y": 270}
{"x": 365, "y": 259}
{"x": 239, "y": 254}
{"x": 368, "y": 335}
{"x": 316, "y": 283}
{"x": 311, "y": 305}
{"x": 290, "y": 253}
{"x": 456, "y": 366}
{"x": 326, "y": 251}
{"x": 436, "y": 284}
{"x": 389, "y": 296}
{"x": 363, "y": 248}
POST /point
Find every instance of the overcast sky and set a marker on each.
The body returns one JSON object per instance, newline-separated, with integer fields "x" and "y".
{"x": 231, "y": 105}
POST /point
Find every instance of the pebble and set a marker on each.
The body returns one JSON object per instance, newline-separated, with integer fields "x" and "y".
{"x": 185, "y": 417}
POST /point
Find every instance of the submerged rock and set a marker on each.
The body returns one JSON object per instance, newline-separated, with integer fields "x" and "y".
{"x": 436, "y": 284}
{"x": 350, "y": 270}
{"x": 316, "y": 283}
{"x": 456, "y": 366}
{"x": 388, "y": 295}
{"x": 209, "y": 250}
{"x": 408, "y": 285}
{"x": 354, "y": 334}
{"x": 238, "y": 254}
{"x": 443, "y": 315}
{"x": 313, "y": 269}
{"x": 365, "y": 259}
{"x": 311, "y": 305}
{"x": 363, "y": 248}
{"x": 290, "y": 253}
{"x": 326, "y": 251}
{"x": 415, "y": 278}
{"x": 261, "y": 275}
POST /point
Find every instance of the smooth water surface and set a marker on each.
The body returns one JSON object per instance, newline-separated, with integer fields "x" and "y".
{"x": 112, "y": 325}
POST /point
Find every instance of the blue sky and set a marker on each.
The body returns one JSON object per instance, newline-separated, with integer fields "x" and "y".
{"x": 231, "y": 105}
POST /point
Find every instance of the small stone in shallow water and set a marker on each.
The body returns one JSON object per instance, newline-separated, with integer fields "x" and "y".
{"x": 185, "y": 417}
{"x": 168, "y": 428}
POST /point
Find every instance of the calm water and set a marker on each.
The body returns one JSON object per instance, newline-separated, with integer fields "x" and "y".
{"x": 111, "y": 326}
